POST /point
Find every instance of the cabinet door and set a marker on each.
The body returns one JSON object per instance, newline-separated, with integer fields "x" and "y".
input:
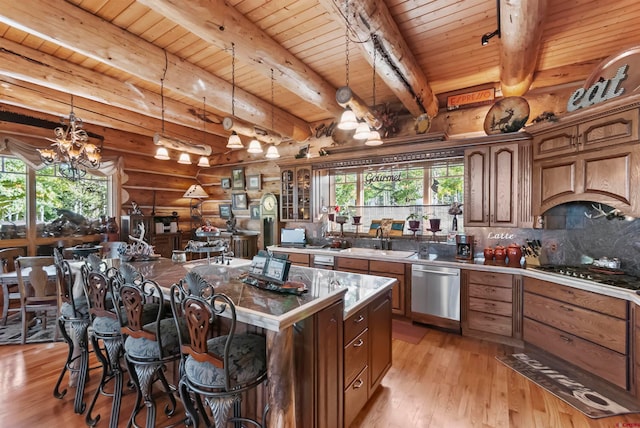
{"x": 503, "y": 182}
{"x": 329, "y": 363}
{"x": 287, "y": 195}
{"x": 379, "y": 340}
{"x": 557, "y": 142}
{"x": 610, "y": 130}
{"x": 303, "y": 194}
{"x": 476, "y": 183}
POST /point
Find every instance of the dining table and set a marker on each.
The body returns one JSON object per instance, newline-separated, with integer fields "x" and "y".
{"x": 274, "y": 312}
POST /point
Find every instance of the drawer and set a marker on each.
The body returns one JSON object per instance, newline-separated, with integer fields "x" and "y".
{"x": 355, "y": 324}
{"x": 493, "y": 307}
{"x": 600, "y": 361}
{"x": 355, "y": 396}
{"x": 594, "y": 301}
{"x": 489, "y": 278}
{"x": 490, "y": 323}
{"x": 599, "y": 328}
{"x": 491, "y": 293}
{"x": 386, "y": 268}
{"x": 299, "y": 259}
{"x": 355, "y": 356}
{"x": 349, "y": 264}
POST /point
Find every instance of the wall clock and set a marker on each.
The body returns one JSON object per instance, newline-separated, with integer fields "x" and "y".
{"x": 269, "y": 219}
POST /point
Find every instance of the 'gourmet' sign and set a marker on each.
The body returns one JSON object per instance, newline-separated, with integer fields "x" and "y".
{"x": 382, "y": 178}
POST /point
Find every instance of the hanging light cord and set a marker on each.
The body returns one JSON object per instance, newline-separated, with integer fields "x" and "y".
{"x": 164, "y": 74}
{"x": 233, "y": 79}
{"x": 374, "y": 78}
{"x": 346, "y": 38}
{"x": 204, "y": 119}
{"x": 272, "y": 99}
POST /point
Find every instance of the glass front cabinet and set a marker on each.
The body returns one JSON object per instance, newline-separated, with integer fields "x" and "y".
{"x": 295, "y": 197}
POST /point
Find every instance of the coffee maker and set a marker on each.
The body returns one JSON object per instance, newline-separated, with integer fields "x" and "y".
{"x": 464, "y": 247}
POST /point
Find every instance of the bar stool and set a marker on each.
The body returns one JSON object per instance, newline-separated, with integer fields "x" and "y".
{"x": 215, "y": 367}
{"x": 148, "y": 347}
{"x": 73, "y": 323}
{"x": 105, "y": 323}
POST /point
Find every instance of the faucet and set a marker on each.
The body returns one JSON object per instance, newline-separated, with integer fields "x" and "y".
{"x": 379, "y": 233}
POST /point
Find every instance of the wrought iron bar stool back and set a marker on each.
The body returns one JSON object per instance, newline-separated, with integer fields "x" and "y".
{"x": 216, "y": 367}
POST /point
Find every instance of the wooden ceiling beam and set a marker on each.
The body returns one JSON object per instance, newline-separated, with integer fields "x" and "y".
{"x": 395, "y": 63}
{"x": 218, "y": 23}
{"x": 73, "y": 28}
{"x": 29, "y": 65}
{"x": 521, "y": 37}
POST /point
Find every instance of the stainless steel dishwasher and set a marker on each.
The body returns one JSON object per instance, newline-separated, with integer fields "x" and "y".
{"x": 435, "y": 296}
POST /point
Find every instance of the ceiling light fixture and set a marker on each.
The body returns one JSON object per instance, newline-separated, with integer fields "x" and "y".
{"x": 234, "y": 140}
{"x": 486, "y": 37}
{"x": 204, "y": 161}
{"x": 373, "y": 139}
{"x": 255, "y": 147}
{"x": 71, "y": 149}
{"x": 348, "y": 120}
{"x": 184, "y": 159}
{"x": 362, "y": 131}
{"x": 272, "y": 151}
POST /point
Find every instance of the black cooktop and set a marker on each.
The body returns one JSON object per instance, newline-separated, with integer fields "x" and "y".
{"x": 613, "y": 277}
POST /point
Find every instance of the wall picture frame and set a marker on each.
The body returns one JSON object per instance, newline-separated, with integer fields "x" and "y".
{"x": 226, "y": 183}
{"x": 237, "y": 178}
{"x": 239, "y": 201}
{"x": 254, "y": 211}
{"x": 225, "y": 211}
{"x": 254, "y": 182}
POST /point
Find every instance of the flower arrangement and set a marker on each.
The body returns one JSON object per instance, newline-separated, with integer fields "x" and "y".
{"x": 455, "y": 208}
{"x": 344, "y": 211}
{"x": 416, "y": 216}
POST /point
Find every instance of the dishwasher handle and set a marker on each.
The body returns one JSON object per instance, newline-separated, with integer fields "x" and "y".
{"x": 437, "y": 272}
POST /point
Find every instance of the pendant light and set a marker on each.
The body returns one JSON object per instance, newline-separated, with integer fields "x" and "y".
{"x": 272, "y": 151}
{"x": 184, "y": 159}
{"x": 374, "y": 135}
{"x": 234, "y": 139}
{"x": 204, "y": 161}
{"x": 348, "y": 120}
{"x": 161, "y": 152}
{"x": 255, "y": 146}
{"x": 362, "y": 131}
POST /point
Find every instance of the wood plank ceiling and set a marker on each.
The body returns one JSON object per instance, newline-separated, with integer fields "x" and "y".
{"x": 115, "y": 55}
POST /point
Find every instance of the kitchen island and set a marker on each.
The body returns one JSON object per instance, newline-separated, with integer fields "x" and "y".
{"x": 305, "y": 341}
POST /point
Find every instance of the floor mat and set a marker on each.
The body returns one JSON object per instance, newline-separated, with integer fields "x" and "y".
{"x": 407, "y": 332}
{"x": 576, "y": 393}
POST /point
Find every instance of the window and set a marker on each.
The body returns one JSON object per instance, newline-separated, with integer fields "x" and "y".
{"x": 62, "y": 207}
{"x": 395, "y": 191}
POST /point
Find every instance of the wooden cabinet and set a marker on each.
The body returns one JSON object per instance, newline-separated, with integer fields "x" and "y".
{"x": 609, "y": 130}
{"x": 367, "y": 354}
{"x": 399, "y": 290}
{"x": 496, "y": 185}
{"x": 348, "y": 264}
{"x": 491, "y": 306}
{"x": 295, "y": 197}
{"x": 595, "y": 159}
{"x": 163, "y": 243}
{"x": 586, "y": 329}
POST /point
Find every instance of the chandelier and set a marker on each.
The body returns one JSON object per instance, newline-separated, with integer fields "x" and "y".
{"x": 71, "y": 149}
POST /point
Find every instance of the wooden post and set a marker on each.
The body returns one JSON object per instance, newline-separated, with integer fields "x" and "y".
{"x": 282, "y": 385}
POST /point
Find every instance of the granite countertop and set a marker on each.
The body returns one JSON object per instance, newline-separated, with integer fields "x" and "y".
{"x": 269, "y": 309}
{"x": 475, "y": 264}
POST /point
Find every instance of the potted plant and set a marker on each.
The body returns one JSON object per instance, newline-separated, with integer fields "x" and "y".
{"x": 414, "y": 220}
{"x": 342, "y": 214}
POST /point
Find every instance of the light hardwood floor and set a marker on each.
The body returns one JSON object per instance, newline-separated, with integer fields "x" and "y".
{"x": 446, "y": 381}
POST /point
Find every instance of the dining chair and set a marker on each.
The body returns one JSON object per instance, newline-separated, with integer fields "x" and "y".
{"x": 73, "y": 323}
{"x": 149, "y": 346}
{"x": 10, "y": 292}
{"x": 37, "y": 295}
{"x": 218, "y": 365}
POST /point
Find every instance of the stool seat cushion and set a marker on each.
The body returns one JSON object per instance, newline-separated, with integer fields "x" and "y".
{"x": 82, "y": 309}
{"x": 106, "y": 326}
{"x": 247, "y": 362}
{"x": 142, "y": 348}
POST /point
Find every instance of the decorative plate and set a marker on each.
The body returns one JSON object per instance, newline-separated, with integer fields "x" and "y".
{"x": 507, "y": 115}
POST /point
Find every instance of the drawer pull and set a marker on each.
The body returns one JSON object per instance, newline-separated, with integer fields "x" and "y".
{"x": 566, "y": 308}
{"x": 358, "y": 384}
{"x": 569, "y": 292}
{"x": 566, "y": 339}
{"x": 490, "y": 304}
{"x": 359, "y": 319}
{"x": 359, "y": 343}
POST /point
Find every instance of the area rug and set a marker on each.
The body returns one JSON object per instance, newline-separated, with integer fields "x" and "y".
{"x": 11, "y": 334}
{"x": 407, "y": 332}
{"x": 578, "y": 394}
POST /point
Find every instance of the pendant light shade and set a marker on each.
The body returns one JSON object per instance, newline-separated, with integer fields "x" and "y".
{"x": 272, "y": 153}
{"x": 204, "y": 162}
{"x": 185, "y": 159}
{"x": 255, "y": 146}
{"x": 362, "y": 131}
{"x": 348, "y": 120}
{"x": 374, "y": 139}
{"x": 234, "y": 141}
{"x": 162, "y": 153}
